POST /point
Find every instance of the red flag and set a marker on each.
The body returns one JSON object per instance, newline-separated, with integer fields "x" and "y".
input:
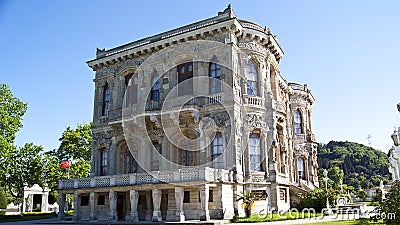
{"x": 65, "y": 164}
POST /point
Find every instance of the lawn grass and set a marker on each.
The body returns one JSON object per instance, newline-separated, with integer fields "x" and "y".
{"x": 36, "y": 216}
{"x": 350, "y": 222}
{"x": 255, "y": 218}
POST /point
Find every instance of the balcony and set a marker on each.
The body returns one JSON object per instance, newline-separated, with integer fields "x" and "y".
{"x": 253, "y": 100}
{"x": 173, "y": 176}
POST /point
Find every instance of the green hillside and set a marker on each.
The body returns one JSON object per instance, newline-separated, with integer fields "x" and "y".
{"x": 363, "y": 166}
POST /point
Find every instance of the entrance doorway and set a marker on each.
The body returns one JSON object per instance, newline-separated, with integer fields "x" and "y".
{"x": 164, "y": 206}
{"x": 120, "y": 206}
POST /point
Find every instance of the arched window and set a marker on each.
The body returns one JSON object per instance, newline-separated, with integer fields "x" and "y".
{"x": 298, "y": 123}
{"x": 216, "y": 151}
{"x": 131, "y": 165}
{"x": 132, "y": 91}
{"x": 103, "y": 162}
{"x": 251, "y": 78}
{"x": 155, "y": 89}
{"x": 106, "y": 100}
{"x": 215, "y": 75}
{"x": 185, "y": 73}
{"x": 301, "y": 168}
{"x": 255, "y": 152}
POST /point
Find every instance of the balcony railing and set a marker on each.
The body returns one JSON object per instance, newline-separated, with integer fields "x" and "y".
{"x": 172, "y": 176}
{"x": 253, "y": 100}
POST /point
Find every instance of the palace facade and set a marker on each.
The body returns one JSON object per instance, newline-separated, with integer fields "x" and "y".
{"x": 186, "y": 120}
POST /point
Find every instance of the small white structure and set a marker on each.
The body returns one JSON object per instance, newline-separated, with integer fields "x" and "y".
{"x": 29, "y": 193}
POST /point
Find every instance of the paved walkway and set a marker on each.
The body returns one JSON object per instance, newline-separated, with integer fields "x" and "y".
{"x": 32, "y": 222}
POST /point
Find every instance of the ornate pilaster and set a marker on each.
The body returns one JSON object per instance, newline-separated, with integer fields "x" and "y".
{"x": 61, "y": 203}
{"x": 179, "y": 204}
{"x": 156, "y": 205}
{"x": 112, "y": 197}
{"x": 134, "y": 197}
{"x": 204, "y": 195}
{"x": 92, "y": 203}
{"x": 76, "y": 205}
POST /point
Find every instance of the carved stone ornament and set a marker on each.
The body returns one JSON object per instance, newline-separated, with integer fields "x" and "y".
{"x": 117, "y": 69}
{"x": 222, "y": 119}
{"x": 301, "y": 150}
{"x": 255, "y": 121}
{"x": 252, "y": 45}
{"x": 102, "y": 139}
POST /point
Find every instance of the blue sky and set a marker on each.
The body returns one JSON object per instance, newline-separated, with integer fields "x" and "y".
{"x": 347, "y": 52}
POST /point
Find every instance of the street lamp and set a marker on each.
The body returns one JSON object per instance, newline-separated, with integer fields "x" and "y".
{"x": 328, "y": 207}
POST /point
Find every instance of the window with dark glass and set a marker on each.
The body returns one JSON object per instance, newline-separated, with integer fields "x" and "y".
{"x": 216, "y": 151}
{"x": 186, "y": 157}
{"x": 185, "y": 84}
{"x": 186, "y": 197}
{"x": 251, "y": 78}
{"x": 132, "y": 91}
{"x": 301, "y": 168}
{"x": 255, "y": 152}
{"x": 298, "y": 123}
{"x": 155, "y": 89}
{"x": 106, "y": 100}
{"x": 84, "y": 200}
{"x": 210, "y": 195}
{"x": 131, "y": 165}
{"x": 215, "y": 78}
{"x": 103, "y": 162}
{"x": 101, "y": 200}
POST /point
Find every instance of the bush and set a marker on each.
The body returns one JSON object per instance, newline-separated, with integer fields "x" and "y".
{"x": 3, "y": 199}
{"x": 391, "y": 204}
{"x": 362, "y": 194}
{"x": 316, "y": 199}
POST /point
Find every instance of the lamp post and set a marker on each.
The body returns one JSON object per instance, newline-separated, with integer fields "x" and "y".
{"x": 328, "y": 207}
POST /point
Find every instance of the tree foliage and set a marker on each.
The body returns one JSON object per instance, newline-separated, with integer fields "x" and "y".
{"x": 392, "y": 204}
{"x": 12, "y": 110}
{"x": 76, "y": 144}
{"x": 3, "y": 199}
{"x": 24, "y": 166}
{"x": 363, "y": 166}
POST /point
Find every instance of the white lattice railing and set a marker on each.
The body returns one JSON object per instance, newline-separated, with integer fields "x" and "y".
{"x": 179, "y": 175}
{"x": 253, "y": 100}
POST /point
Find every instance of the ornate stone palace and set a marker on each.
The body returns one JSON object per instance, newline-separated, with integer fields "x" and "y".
{"x": 186, "y": 120}
{"x": 394, "y": 153}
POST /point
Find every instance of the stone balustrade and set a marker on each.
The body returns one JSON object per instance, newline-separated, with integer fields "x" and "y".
{"x": 253, "y": 100}
{"x": 156, "y": 177}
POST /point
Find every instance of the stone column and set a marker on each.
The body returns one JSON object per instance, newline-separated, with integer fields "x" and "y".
{"x": 61, "y": 203}
{"x": 30, "y": 203}
{"x": 134, "y": 197}
{"x": 45, "y": 201}
{"x": 148, "y": 205}
{"x": 179, "y": 204}
{"x": 156, "y": 194}
{"x": 76, "y": 201}
{"x": 112, "y": 197}
{"x": 92, "y": 198}
{"x": 204, "y": 195}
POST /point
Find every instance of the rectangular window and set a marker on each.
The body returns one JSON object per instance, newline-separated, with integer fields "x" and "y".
{"x": 103, "y": 162}
{"x": 106, "y": 100}
{"x": 186, "y": 196}
{"x": 185, "y": 83}
{"x": 215, "y": 78}
{"x": 101, "y": 200}
{"x": 84, "y": 200}
{"x": 187, "y": 157}
{"x": 216, "y": 151}
{"x": 282, "y": 194}
{"x": 210, "y": 196}
{"x": 255, "y": 152}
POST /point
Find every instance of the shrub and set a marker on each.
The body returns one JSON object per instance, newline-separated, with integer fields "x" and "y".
{"x": 3, "y": 199}
{"x": 316, "y": 199}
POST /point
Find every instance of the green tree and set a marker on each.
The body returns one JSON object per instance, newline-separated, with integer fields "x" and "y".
{"x": 24, "y": 166}
{"x": 336, "y": 175}
{"x": 316, "y": 199}
{"x": 76, "y": 145}
{"x": 12, "y": 110}
{"x": 362, "y": 194}
{"x": 392, "y": 204}
{"x": 3, "y": 199}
